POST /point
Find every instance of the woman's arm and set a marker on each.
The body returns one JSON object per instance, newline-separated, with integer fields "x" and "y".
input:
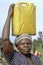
{"x": 7, "y": 46}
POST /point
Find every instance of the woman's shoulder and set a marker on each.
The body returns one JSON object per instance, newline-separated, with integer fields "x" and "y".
{"x": 36, "y": 59}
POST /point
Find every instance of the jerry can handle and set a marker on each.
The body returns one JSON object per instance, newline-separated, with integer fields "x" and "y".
{"x": 24, "y": 3}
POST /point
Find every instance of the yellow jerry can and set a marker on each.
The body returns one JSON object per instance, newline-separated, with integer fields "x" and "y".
{"x": 24, "y": 19}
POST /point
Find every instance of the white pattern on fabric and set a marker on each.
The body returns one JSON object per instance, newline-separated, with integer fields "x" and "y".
{"x": 16, "y": 58}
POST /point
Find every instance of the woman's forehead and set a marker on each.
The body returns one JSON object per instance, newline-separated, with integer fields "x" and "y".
{"x": 24, "y": 40}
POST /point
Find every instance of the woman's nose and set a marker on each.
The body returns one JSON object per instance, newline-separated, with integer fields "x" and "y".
{"x": 25, "y": 44}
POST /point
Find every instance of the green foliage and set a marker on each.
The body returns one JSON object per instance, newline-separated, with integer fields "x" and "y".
{"x": 38, "y": 44}
{"x": 40, "y": 34}
{"x": 0, "y": 41}
{"x": 39, "y": 41}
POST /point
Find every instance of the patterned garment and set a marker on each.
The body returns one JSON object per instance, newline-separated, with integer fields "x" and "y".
{"x": 16, "y": 58}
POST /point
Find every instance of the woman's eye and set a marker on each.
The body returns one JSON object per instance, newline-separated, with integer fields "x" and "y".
{"x": 29, "y": 43}
{"x": 22, "y": 43}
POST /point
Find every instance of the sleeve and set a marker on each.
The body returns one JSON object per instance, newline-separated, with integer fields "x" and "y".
{"x": 9, "y": 57}
{"x": 39, "y": 61}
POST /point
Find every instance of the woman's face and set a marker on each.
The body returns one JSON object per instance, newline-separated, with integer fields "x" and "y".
{"x": 24, "y": 46}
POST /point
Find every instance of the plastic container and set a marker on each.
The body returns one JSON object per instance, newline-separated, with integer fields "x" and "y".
{"x": 24, "y": 19}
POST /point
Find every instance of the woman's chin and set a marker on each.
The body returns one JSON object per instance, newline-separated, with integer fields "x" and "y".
{"x": 26, "y": 52}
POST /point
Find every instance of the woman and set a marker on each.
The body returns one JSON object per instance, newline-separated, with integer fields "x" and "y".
{"x": 23, "y": 44}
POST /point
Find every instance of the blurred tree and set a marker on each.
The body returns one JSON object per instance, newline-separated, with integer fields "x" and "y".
{"x": 34, "y": 43}
{"x": 40, "y": 38}
{"x": 39, "y": 41}
{"x": 0, "y": 41}
{"x": 40, "y": 34}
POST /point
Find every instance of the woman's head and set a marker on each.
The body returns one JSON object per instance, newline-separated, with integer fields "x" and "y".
{"x": 24, "y": 43}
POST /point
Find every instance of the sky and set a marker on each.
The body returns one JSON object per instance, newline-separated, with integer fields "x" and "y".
{"x": 4, "y": 6}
